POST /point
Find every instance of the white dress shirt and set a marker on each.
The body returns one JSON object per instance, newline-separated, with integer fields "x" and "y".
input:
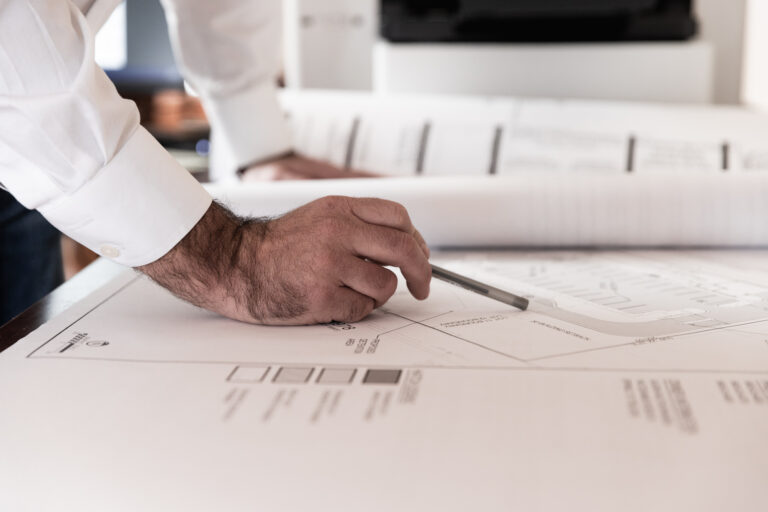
{"x": 73, "y": 149}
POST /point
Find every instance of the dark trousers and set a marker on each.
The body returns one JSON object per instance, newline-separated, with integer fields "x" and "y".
{"x": 30, "y": 257}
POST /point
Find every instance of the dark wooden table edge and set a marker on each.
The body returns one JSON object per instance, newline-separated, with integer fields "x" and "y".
{"x": 59, "y": 300}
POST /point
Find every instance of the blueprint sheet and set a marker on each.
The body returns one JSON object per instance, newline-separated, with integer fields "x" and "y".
{"x": 541, "y": 210}
{"x": 636, "y": 381}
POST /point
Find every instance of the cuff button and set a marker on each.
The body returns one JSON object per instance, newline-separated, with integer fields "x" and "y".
{"x": 109, "y": 251}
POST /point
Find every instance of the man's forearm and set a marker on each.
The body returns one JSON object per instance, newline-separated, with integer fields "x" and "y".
{"x": 205, "y": 267}
{"x": 322, "y": 262}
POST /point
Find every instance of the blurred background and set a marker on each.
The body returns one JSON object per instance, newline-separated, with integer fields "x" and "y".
{"x": 597, "y": 48}
{"x": 690, "y": 51}
{"x": 676, "y": 52}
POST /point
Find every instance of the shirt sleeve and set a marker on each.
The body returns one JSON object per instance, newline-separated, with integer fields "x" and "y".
{"x": 73, "y": 149}
{"x": 228, "y": 50}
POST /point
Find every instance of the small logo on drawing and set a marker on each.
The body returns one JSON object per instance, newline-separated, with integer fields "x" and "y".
{"x": 80, "y": 339}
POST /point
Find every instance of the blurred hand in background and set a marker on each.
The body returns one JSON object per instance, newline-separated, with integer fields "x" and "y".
{"x": 297, "y": 167}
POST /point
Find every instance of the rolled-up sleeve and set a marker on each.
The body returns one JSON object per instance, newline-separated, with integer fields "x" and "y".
{"x": 73, "y": 149}
{"x": 228, "y": 50}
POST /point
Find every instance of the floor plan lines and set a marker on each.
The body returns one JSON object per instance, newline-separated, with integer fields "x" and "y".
{"x": 589, "y": 310}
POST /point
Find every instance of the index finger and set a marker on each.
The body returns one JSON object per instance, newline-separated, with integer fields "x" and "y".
{"x": 388, "y": 214}
{"x": 383, "y": 213}
{"x": 388, "y": 246}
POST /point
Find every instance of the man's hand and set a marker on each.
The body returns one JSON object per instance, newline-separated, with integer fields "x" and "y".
{"x": 296, "y": 167}
{"x": 322, "y": 262}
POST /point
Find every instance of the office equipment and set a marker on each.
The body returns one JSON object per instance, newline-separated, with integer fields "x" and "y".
{"x": 478, "y": 287}
{"x": 409, "y": 21}
{"x": 329, "y": 44}
{"x": 635, "y": 381}
{"x": 671, "y": 72}
{"x": 618, "y": 49}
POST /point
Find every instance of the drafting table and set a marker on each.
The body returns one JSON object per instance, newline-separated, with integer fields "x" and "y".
{"x": 637, "y": 380}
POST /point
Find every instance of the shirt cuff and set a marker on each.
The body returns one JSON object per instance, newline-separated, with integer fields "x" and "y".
{"x": 136, "y": 208}
{"x": 247, "y": 127}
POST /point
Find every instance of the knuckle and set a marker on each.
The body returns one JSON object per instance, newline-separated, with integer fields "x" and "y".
{"x": 324, "y": 204}
{"x": 402, "y": 215}
{"x": 402, "y": 243}
{"x": 378, "y": 286}
{"x": 333, "y": 203}
{"x": 360, "y": 309}
{"x": 345, "y": 312}
{"x": 387, "y": 281}
{"x": 377, "y": 280}
{"x": 388, "y": 285}
{"x": 374, "y": 275}
{"x": 370, "y": 305}
{"x": 408, "y": 247}
{"x": 353, "y": 313}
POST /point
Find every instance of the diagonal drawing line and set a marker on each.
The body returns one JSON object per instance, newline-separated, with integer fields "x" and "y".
{"x": 672, "y": 338}
{"x": 719, "y": 328}
{"x": 595, "y": 349}
{"x": 412, "y": 322}
{"x": 435, "y": 316}
{"x": 395, "y": 329}
{"x": 499, "y": 352}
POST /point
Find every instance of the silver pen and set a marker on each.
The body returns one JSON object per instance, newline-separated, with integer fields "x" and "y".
{"x": 480, "y": 288}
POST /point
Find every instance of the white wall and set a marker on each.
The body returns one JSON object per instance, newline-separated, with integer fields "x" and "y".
{"x": 755, "y": 77}
{"x": 722, "y": 23}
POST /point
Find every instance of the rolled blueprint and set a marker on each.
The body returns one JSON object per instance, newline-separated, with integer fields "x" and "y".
{"x": 535, "y": 210}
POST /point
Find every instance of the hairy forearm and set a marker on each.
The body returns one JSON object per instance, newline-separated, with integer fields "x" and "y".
{"x": 321, "y": 262}
{"x": 206, "y": 266}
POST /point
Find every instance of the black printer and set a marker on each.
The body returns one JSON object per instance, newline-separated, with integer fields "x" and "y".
{"x": 421, "y": 21}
